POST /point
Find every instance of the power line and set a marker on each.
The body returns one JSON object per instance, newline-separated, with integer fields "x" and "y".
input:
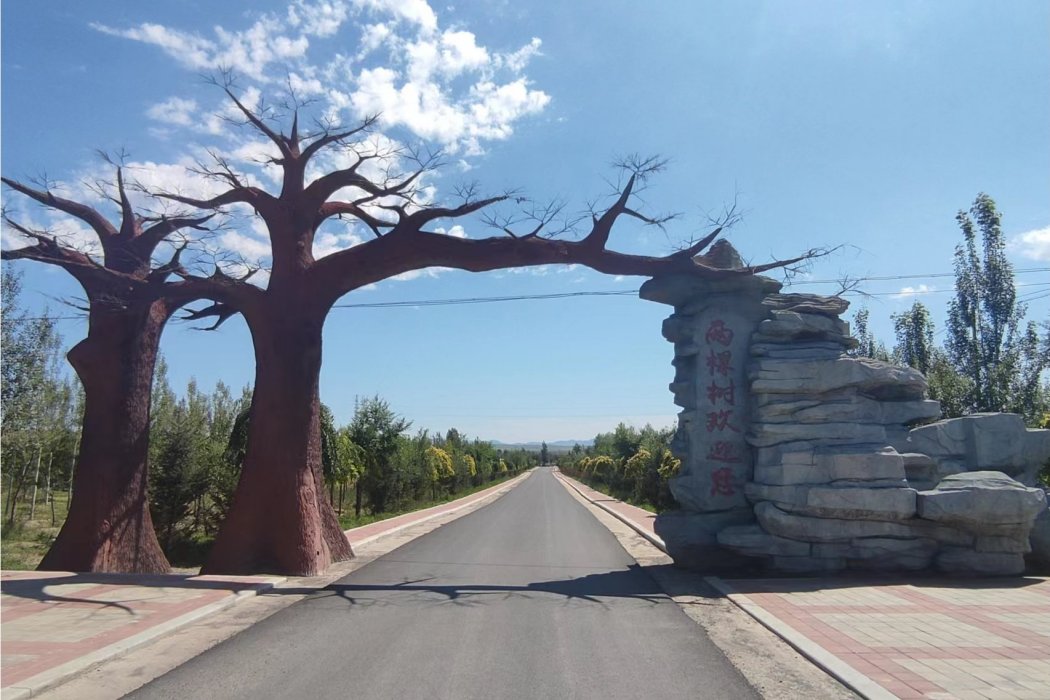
{"x": 1034, "y": 296}
{"x": 929, "y": 275}
{"x": 484, "y": 300}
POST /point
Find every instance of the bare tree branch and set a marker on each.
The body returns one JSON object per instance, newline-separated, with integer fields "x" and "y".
{"x": 101, "y": 226}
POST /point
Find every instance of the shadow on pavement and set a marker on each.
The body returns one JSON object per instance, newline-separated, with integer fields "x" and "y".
{"x": 632, "y": 583}
{"x": 35, "y": 589}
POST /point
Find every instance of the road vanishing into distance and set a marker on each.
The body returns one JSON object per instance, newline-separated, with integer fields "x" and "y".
{"x": 528, "y": 597}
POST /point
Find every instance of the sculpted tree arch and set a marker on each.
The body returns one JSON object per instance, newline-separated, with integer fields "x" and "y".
{"x": 129, "y": 302}
{"x": 279, "y": 519}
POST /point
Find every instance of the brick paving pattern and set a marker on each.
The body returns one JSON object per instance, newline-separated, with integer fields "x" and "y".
{"x": 936, "y": 638}
{"x": 53, "y": 618}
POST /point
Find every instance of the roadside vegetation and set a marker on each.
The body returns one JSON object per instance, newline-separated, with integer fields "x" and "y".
{"x": 374, "y": 466}
{"x": 629, "y": 464}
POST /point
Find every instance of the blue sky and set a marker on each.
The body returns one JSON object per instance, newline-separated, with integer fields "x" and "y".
{"x": 855, "y": 123}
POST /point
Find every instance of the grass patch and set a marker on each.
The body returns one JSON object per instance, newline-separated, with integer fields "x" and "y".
{"x": 25, "y": 542}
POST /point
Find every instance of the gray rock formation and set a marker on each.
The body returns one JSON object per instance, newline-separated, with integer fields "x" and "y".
{"x": 988, "y": 441}
{"x": 711, "y": 328}
{"x": 831, "y": 452}
{"x": 986, "y": 503}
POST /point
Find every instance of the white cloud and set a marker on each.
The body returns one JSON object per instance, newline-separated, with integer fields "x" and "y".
{"x": 456, "y": 231}
{"x": 321, "y": 19}
{"x": 439, "y": 84}
{"x": 328, "y": 242}
{"x": 518, "y": 60}
{"x": 1034, "y": 244}
{"x": 909, "y": 292}
{"x": 417, "y": 12}
{"x": 249, "y": 52}
{"x": 174, "y": 110}
{"x": 253, "y": 250}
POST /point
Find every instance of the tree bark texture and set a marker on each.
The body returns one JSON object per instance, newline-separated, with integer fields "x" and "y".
{"x": 109, "y": 528}
{"x": 281, "y": 520}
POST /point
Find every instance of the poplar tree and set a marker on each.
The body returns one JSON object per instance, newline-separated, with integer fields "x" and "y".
{"x": 986, "y": 340}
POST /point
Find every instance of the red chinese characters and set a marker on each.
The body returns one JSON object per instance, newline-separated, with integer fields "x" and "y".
{"x": 716, "y": 393}
{"x": 722, "y": 482}
{"x": 721, "y": 395}
{"x": 719, "y": 420}
{"x": 724, "y": 451}
{"x": 719, "y": 333}
{"x": 720, "y": 363}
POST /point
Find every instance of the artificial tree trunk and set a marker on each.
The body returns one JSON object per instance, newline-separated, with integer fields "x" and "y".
{"x": 280, "y": 520}
{"x": 109, "y": 527}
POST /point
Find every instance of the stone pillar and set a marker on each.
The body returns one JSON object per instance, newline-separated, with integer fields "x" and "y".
{"x": 711, "y": 329}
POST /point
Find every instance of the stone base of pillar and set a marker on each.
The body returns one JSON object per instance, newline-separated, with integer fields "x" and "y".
{"x": 690, "y": 539}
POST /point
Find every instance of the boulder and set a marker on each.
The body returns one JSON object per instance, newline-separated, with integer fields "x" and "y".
{"x": 800, "y": 527}
{"x": 808, "y": 565}
{"x": 1012, "y": 545}
{"x": 957, "y": 560}
{"x": 769, "y": 434}
{"x": 823, "y": 350}
{"x": 852, "y": 407}
{"x": 691, "y": 541}
{"x": 862, "y": 462}
{"x": 851, "y": 503}
{"x": 685, "y": 290}
{"x": 881, "y": 553}
{"x": 794, "y": 326}
{"x": 985, "y": 441}
{"x": 754, "y": 541}
{"x": 807, "y": 304}
{"x": 924, "y": 472}
{"x": 986, "y": 503}
{"x": 875, "y": 379}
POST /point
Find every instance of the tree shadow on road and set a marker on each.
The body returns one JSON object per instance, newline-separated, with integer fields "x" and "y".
{"x": 597, "y": 588}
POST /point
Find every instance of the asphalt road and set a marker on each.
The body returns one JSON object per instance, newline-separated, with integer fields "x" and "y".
{"x": 529, "y": 597}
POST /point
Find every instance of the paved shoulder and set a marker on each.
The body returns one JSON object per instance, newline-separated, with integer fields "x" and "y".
{"x": 529, "y": 597}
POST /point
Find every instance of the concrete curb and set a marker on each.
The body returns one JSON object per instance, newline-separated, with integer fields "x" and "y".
{"x": 840, "y": 670}
{"x": 653, "y": 539}
{"x": 52, "y": 677}
{"x": 502, "y": 490}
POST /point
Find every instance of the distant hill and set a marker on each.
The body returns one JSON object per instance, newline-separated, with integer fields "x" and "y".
{"x": 556, "y": 446}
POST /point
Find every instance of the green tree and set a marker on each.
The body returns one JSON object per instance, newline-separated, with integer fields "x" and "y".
{"x": 914, "y": 331}
{"x": 867, "y": 345}
{"x": 376, "y": 429}
{"x": 985, "y": 340}
{"x": 37, "y": 406}
{"x": 179, "y": 472}
{"x": 438, "y": 467}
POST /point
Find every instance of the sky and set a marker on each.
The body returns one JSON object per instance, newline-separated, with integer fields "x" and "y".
{"x": 855, "y": 124}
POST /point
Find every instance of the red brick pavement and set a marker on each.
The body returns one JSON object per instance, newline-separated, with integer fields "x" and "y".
{"x": 931, "y": 638}
{"x": 54, "y": 618}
